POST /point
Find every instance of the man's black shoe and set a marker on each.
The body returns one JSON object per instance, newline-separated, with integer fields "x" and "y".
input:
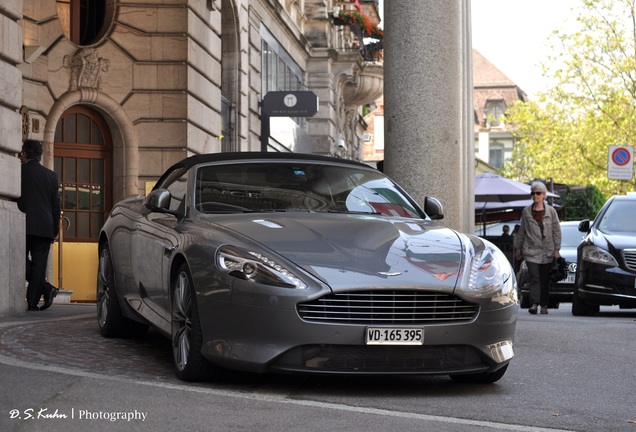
{"x": 33, "y": 308}
{"x": 50, "y": 292}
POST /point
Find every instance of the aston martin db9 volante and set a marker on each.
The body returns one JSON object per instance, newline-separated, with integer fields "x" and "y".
{"x": 272, "y": 262}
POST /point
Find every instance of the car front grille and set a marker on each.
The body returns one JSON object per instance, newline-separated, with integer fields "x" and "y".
{"x": 629, "y": 255}
{"x": 388, "y": 307}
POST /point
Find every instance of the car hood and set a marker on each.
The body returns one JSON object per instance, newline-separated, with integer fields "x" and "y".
{"x": 352, "y": 251}
{"x": 617, "y": 240}
{"x": 569, "y": 253}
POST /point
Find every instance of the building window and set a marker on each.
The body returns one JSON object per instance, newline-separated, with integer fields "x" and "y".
{"x": 83, "y": 163}
{"x": 279, "y": 71}
{"x": 494, "y": 113}
{"x": 85, "y": 22}
{"x": 496, "y": 156}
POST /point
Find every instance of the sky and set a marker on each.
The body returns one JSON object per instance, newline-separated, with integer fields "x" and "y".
{"x": 512, "y": 35}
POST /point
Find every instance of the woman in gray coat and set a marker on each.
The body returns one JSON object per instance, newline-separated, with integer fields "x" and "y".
{"x": 538, "y": 242}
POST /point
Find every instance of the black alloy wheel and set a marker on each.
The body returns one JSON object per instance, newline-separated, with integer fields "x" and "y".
{"x": 187, "y": 338}
{"x": 110, "y": 319}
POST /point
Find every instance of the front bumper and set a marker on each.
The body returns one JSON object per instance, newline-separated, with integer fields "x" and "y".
{"x": 562, "y": 291}
{"x": 603, "y": 285}
{"x": 277, "y": 339}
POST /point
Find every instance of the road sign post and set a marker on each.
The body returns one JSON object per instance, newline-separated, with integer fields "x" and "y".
{"x": 620, "y": 164}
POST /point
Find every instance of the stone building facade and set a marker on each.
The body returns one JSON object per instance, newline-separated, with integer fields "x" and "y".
{"x": 119, "y": 90}
{"x": 493, "y": 94}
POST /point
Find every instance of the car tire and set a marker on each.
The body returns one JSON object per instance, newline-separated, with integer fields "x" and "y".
{"x": 581, "y": 308}
{"x": 187, "y": 337}
{"x": 480, "y": 378}
{"x": 525, "y": 298}
{"x": 110, "y": 319}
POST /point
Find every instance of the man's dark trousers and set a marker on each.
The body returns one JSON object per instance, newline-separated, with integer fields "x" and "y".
{"x": 38, "y": 248}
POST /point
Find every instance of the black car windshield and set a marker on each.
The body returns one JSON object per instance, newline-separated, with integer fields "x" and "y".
{"x": 267, "y": 186}
{"x": 619, "y": 217}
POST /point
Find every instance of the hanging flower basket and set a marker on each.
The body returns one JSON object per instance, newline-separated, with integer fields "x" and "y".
{"x": 355, "y": 18}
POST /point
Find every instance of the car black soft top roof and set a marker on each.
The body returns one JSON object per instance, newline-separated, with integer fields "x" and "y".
{"x": 216, "y": 157}
{"x": 247, "y": 156}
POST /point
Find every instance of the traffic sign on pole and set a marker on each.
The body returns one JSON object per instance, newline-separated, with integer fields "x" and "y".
{"x": 620, "y": 164}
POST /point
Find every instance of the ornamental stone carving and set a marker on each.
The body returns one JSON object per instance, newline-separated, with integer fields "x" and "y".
{"x": 26, "y": 122}
{"x": 367, "y": 85}
{"x": 86, "y": 68}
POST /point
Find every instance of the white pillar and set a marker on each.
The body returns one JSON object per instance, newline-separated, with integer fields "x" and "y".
{"x": 429, "y": 144}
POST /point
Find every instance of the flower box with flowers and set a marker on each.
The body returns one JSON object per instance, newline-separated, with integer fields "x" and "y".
{"x": 355, "y": 18}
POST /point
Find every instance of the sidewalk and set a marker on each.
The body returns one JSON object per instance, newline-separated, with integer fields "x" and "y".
{"x": 67, "y": 336}
{"x": 58, "y": 311}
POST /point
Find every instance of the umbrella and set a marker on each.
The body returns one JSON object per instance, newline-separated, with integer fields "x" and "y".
{"x": 496, "y": 193}
{"x": 498, "y": 205}
{"x": 490, "y": 188}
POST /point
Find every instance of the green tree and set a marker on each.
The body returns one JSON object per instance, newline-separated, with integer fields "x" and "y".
{"x": 581, "y": 203}
{"x": 565, "y": 134}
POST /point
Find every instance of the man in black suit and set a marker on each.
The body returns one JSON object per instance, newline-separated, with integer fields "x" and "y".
{"x": 40, "y": 201}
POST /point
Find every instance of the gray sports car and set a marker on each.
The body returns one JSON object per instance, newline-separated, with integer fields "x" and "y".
{"x": 272, "y": 262}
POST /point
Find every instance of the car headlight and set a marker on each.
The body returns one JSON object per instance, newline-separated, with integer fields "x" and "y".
{"x": 597, "y": 255}
{"x": 490, "y": 272}
{"x": 256, "y": 267}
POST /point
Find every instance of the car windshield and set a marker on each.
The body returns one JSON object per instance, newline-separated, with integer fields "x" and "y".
{"x": 267, "y": 186}
{"x": 619, "y": 217}
{"x": 571, "y": 236}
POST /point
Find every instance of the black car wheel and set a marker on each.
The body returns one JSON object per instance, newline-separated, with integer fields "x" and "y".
{"x": 110, "y": 319}
{"x": 187, "y": 338}
{"x": 481, "y": 378}
{"x": 581, "y": 308}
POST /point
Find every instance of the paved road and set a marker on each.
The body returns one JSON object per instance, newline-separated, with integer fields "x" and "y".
{"x": 569, "y": 373}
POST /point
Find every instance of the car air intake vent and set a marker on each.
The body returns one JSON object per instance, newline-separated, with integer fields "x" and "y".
{"x": 629, "y": 255}
{"x": 388, "y": 307}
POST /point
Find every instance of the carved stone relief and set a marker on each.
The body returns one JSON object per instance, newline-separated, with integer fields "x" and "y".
{"x": 86, "y": 68}
{"x": 26, "y": 122}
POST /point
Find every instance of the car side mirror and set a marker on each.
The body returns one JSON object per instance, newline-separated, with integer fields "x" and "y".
{"x": 433, "y": 208}
{"x": 584, "y": 225}
{"x": 158, "y": 200}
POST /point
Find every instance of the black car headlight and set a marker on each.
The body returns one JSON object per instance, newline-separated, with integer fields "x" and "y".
{"x": 256, "y": 267}
{"x": 597, "y": 255}
{"x": 491, "y": 274}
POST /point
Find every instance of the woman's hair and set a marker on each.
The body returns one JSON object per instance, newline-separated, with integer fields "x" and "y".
{"x": 538, "y": 186}
{"x": 32, "y": 149}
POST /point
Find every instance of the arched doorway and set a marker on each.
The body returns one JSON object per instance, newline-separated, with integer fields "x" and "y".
{"x": 83, "y": 155}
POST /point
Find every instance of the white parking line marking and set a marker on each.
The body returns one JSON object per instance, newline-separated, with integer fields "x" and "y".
{"x": 9, "y": 361}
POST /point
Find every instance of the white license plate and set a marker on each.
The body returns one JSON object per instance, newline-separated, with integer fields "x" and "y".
{"x": 568, "y": 280}
{"x": 394, "y": 336}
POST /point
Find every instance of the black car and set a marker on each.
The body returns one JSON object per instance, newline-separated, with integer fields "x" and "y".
{"x": 563, "y": 290}
{"x": 606, "y": 258}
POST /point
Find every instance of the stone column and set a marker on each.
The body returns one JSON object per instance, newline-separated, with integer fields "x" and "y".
{"x": 429, "y": 147}
{"x": 12, "y": 221}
